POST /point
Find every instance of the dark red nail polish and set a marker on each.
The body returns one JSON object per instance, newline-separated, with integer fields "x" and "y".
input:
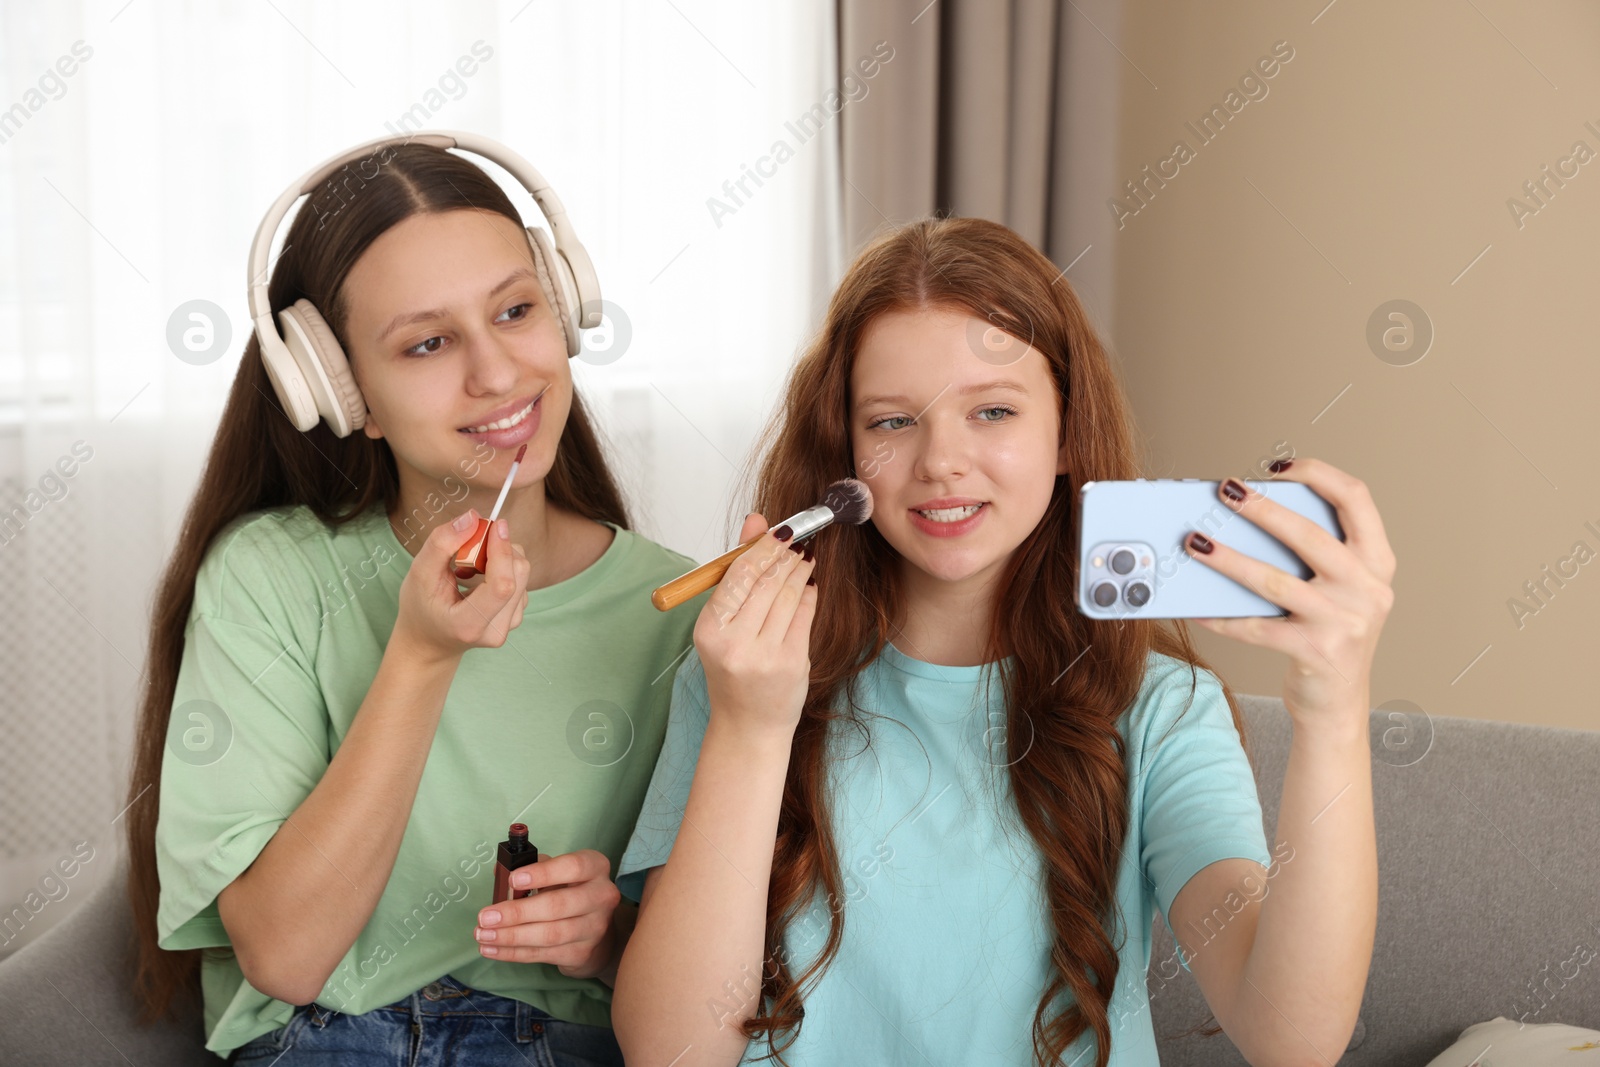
{"x": 809, "y": 552}
{"x": 1200, "y": 543}
{"x": 1278, "y": 466}
{"x": 798, "y": 547}
{"x": 811, "y": 580}
{"x": 1233, "y": 490}
{"x": 783, "y": 533}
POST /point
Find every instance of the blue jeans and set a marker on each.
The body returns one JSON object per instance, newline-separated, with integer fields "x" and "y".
{"x": 443, "y": 1023}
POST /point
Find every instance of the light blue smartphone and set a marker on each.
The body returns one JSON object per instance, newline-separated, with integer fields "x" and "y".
{"x": 1131, "y": 559}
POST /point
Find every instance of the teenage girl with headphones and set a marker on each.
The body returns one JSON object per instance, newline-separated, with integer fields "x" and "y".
{"x": 341, "y": 730}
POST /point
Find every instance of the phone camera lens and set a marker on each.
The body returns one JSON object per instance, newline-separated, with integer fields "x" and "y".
{"x": 1105, "y": 594}
{"x": 1137, "y": 594}
{"x": 1122, "y": 561}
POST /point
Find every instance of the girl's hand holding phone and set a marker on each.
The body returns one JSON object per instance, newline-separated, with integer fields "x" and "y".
{"x": 1331, "y": 631}
{"x": 754, "y": 635}
{"x": 436, "y": 618}
{"x": 567, "y": 922}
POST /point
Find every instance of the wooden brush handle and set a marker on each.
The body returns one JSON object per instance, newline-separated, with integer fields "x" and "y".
{"x": 700, "y": 579}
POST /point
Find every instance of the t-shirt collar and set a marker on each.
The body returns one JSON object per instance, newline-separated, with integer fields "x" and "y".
{"x": 563, "y": 592}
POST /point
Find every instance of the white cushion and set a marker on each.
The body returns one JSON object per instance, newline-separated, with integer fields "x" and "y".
{"x": 1502, "y": 1042}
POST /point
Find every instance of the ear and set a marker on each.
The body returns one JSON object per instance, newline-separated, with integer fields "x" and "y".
{"x": 371, "y": 427}
{"x": 1061, "y": 454}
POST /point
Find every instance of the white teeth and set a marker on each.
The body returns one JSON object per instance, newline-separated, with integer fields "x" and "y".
{"x": 505, "y": 423}
{"x": 950, "y": 514}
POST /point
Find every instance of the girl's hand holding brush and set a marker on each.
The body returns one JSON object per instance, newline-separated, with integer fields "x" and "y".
{"x": 436, "y": 618}
{"x": 754, "y": 635}
{"x": 846, "y": 502}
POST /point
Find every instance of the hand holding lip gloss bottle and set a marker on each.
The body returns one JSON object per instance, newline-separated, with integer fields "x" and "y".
{"x": 473, "y": 555}
{"x": 516, "y": 851}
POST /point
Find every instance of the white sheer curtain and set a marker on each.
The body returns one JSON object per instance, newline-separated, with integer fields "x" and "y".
{"x": 142, "y": 144}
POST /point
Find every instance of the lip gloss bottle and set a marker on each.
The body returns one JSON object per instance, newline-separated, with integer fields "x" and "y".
{"x": 473, "y": 556}
{"x": 516, "y": 851}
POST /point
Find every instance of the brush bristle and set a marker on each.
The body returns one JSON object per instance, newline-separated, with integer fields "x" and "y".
{"x": 850, "y": 501}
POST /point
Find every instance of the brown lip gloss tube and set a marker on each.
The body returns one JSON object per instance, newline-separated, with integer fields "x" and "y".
{"x": 516, "y": 851}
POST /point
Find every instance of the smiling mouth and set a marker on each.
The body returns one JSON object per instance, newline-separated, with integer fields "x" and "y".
{"x": 505, "y": 423}
{"x": 950, "y": 514}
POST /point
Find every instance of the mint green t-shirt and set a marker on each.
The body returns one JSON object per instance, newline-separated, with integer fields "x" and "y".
{"x": 558, "y": 728}
{"x": 945, "y": 948}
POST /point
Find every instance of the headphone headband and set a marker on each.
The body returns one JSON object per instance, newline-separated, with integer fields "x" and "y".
{"x": 566, "y": 241}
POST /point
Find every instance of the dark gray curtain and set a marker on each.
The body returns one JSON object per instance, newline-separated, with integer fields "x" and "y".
{"x": 968, "y": 117}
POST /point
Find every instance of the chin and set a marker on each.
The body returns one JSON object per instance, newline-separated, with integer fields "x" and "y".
{"x": 536, "y": 466}
{"x": 951, "y": 566}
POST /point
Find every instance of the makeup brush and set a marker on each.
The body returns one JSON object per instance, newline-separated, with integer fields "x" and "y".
{"x": 472, "y": 556}
{"x": 846, "y": 501}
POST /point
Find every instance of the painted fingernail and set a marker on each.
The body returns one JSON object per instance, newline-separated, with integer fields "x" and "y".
{"x": 809, "y": 552}
{"x": 484, "y": 935}
{"x": 797, "y": 546}
{"x": 811, "y": 580}
{"x": 1234, "y": 490}
{"x": 1278, "y": 466}
{"x": 1200, "y": 543}
{"x": 783, "y": 533}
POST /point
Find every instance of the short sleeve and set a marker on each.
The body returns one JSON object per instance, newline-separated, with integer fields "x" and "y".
{"x": 668, "y": 795}
{"x": 1199, "y": 799}
{"x": 247, "y": 739}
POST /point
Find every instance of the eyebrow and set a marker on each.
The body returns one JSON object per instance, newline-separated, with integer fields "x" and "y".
{"x": 404, "y": 319}
{"x": 981, "y": 387}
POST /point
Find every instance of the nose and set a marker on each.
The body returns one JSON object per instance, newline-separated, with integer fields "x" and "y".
{"x": 941, "y": 451}
{"x": 491, "y": 364}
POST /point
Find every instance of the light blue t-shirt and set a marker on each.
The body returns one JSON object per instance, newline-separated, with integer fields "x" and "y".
{"x": 946, "y": 946}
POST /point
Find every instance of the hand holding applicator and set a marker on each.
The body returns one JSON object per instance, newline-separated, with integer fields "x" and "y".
{"x": 847, "y": 501}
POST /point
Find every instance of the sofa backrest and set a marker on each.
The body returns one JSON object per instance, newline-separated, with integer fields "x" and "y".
{"x": 1489, "y": 889}
{"x": 1488, "y": 885}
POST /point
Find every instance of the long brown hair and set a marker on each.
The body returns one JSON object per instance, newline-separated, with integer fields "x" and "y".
{"x": 259, "y": 460}
{"x": 1069, "y": 781}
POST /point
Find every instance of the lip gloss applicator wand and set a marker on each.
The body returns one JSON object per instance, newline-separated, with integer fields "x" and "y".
{"x": 471, "y": 557}
{"x": 847, "y": 500}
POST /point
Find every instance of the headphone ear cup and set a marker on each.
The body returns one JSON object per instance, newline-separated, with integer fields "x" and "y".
{"x": 327, "y": 370}
{"x": 288, "y": 381}
{"x": 555, "y": 277}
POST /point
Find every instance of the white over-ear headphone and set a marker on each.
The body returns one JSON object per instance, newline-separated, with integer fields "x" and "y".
{"x": 307, "y": 366}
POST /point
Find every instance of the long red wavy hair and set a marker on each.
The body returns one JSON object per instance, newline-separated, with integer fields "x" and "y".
{"x": 1070, "y": 783}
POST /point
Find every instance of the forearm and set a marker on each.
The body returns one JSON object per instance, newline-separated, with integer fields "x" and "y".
{"x": 302, "y": 903}
{"x": 692, "y": 973}
{"x": 1304, "y": 978}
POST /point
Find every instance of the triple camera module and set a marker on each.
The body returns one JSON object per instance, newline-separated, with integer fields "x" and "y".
{"x": 1121, "y": 575}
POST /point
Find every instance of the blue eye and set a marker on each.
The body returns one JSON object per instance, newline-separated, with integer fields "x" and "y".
{"x": 890, "y": 418}
{"x": 997, "y": 407}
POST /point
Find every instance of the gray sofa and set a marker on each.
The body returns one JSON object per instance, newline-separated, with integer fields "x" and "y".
{"x": 1488, "y": 860}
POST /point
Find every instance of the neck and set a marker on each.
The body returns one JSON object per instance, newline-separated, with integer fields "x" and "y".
{"x": 532, "y": 519}
{"x": 945, "y": 622}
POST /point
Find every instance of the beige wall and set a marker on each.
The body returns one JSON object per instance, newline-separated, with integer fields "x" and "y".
{"x": 1391, "y": 143}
